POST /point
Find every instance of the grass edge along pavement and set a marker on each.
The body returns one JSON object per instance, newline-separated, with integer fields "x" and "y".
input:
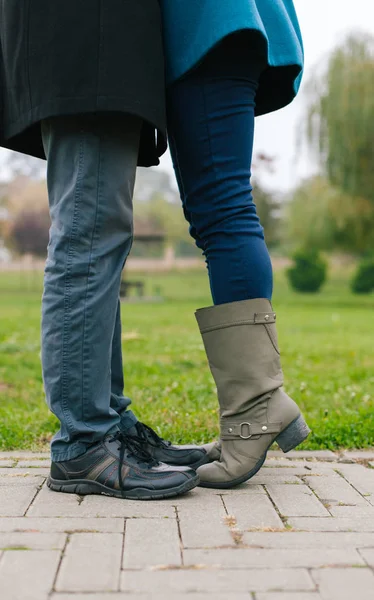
{"x": 325, "y": 340}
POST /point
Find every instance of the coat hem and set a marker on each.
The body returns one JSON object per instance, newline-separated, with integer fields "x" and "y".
{"x": 67, "y": 105}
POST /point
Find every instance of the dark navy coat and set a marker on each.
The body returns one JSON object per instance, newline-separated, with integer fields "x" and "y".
{"x": 60, "y": 57}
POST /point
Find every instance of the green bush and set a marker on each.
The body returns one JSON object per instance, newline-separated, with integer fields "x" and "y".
{"x": 308, "y": 273}
{"x": 363, "y": 279}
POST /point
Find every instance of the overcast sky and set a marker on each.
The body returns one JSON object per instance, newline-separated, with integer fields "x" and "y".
{"x": 323, "y": 23}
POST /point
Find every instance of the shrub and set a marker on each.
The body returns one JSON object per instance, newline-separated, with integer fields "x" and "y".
{"x": 308, "y": 273}
{"x": 29, "y": 232}
{"x": 363, "y": 279}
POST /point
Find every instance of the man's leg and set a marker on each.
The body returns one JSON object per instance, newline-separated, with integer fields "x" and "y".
{"x": 91, "y": 171}
{"x": 192, "y": 456}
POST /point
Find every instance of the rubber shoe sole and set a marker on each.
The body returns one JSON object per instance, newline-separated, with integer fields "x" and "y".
{"x": 84, "y": 487}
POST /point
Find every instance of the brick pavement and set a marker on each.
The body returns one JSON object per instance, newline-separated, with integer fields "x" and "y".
{"x": 301, "y": 529}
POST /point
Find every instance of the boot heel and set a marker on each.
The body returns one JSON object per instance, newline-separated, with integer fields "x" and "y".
{"x": 293, "y": 435}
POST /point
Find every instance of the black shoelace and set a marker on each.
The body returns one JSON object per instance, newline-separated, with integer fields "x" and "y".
{"x": 135, "y": 447}
{"x": 150, "y": 436}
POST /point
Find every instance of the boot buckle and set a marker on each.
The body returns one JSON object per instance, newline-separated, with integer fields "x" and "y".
{"x": 245, "y": 437}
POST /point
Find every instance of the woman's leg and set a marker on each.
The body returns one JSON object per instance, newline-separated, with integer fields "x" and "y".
{"x": 91, "y": 171}
{"x": 211, "y": 126}
{"x": 211, "y": 129}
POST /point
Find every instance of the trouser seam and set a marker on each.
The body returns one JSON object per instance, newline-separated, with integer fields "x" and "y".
{"x": 85, "y": 358}
{"x": 70, "y": 254}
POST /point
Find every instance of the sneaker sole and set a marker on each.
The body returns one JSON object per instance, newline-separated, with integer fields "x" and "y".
{"x": 85, "y": 487}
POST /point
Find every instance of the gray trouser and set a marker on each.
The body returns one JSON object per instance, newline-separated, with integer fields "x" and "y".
{"x": 92, "y": 163}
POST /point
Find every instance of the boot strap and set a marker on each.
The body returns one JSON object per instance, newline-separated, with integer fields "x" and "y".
{"x": 260, "y": 318}
{"x": 231, "y": 430}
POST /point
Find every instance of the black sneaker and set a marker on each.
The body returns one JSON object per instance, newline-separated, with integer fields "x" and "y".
{"x": 163, "y": 451}
{"x": 120, "y": 466}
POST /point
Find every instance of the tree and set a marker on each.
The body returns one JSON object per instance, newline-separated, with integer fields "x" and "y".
{"x": 27, "y": 225}
{"x": 269, "y": 209}
{"x": 321, "y": 217}
{"x": 341, "y": 117}
{"x": 340, "y": 131}
{"x": 29, "y": 232}
{"x": 25, "y": 193}
{"x": 165, "y": 216}
{"x": 269, "y": 205}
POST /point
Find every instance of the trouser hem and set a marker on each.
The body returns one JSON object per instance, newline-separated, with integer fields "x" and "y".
{"x": 78, "y": 448}
{"x": 128, "y": 420}
{"x": 74, "y": 451}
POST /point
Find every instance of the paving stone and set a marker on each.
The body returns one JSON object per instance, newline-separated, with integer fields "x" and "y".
{"x": 28, "y": 575}
{"x": 253, "y": 510}
{"x": 345, "y": 584}
{"x": 102, "y": 506}
{"x": 92, "y": 566}
{"x": 265, "y": 479}
{"x": 14, "y": 500}
{"x": 18, "y": 481}
{"x": 204, "y": 525}
{"x": 103, "y": 596}
{"x": 308, "y": 468}
{"x": 61, "y": 524}
{"x": 282, "y": 558}
{"x": 296, "y": 501}
{"x": 360, "y": 454}
{"x": 295, "y": 539}
{"x": 314, "y": 454}
{"x": 273, "y": 461}
{"x": 54, "y": 504}
{"x": 300, "y": 465}
{"x": 331, "y": 524}
{"x": 34, "y": 464}
{"x": 14, "y": 472}
{"x": 288, "y": 596}
{"x": 368, "y": 554}
{"x": 212, "y": 581}
{"x": 335, "y": 490}
{"x": 91, "y": 563}
{"x": 275, "y": 454}
{"x": 23, "y": 454}
{"x": 161, "y": 596}
{"x": 361, "y": 478}
{"x": 198, "y": 496}
{"x": 151, "y": 542}
{"x": 358, "y": 512}
{"x": 32, "y": 541}
{"x": 248, "y": 488}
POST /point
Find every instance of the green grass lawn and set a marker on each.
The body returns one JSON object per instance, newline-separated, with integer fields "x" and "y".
{"x": 326, "y": 340}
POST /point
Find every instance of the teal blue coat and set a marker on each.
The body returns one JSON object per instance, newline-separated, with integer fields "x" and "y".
{"x": 193, "y": 27}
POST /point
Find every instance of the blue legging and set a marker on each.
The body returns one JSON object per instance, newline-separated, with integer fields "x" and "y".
{"x": 211, "y": 129}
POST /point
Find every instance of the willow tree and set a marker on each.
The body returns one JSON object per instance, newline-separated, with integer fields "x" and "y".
{"x": 340, "y": 127}
{"x": 340, "y": 123}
